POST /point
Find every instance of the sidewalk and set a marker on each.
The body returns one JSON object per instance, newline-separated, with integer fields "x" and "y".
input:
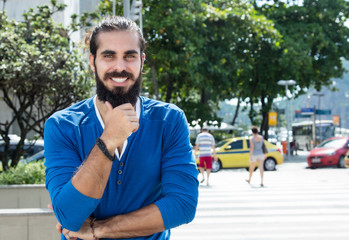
{"x": 300, "y": 157}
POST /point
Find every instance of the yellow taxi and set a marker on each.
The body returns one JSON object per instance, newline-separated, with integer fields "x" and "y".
{"x": 235, "y": 153}
{"x": 346, "y": 160}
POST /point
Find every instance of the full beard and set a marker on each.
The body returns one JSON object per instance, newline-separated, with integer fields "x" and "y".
{"x": 118, "y": 95}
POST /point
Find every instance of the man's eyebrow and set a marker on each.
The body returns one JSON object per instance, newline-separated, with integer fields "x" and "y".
{"x": 108, "y": 52}
{"x": 113, "y": 52}
{"x": 131, "y": 52}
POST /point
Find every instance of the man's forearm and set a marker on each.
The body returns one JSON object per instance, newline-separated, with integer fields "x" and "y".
{"x": 93, "y": 175}
{"x": 143, "y": 222}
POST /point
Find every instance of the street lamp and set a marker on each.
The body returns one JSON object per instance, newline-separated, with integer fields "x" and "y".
{"x": 319, "y": 95}
{"x": 286, "y": 83}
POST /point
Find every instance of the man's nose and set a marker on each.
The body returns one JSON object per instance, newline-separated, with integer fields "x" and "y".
{"x": 119, "y": 65}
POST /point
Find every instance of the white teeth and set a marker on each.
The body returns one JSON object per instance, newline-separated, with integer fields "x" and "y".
{"x": 119, "y": 80}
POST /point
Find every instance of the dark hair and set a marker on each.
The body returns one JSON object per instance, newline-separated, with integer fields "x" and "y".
{"x": 254, "y": 130}
{"x": 113, "y": 23}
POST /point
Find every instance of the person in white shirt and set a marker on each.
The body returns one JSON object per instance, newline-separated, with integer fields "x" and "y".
{"x": 205, "y": 144}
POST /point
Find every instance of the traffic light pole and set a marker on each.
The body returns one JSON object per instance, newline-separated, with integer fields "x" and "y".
{"x": 286, "y": 83}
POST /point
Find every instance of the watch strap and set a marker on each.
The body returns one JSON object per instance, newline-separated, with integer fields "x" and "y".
{"x": 103, "y": 148}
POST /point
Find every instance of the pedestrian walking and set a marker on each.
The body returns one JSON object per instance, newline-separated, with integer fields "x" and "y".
{"x": 119, "y": 165}
{"x": 205, "y": 145}
{"x": 257, "y": 154}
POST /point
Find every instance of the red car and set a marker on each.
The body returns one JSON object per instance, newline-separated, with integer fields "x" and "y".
{"x": 330, "y": 152}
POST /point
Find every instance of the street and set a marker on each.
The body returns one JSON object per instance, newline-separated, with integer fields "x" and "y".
{"x": 296, "y": 203}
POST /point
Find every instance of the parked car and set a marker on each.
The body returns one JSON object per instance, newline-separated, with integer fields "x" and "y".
{"x": 39, "y": 156}
{"x": 272, "y": 137}
{"x": 282, "y": 136}
{"x": 13, "y": 137}
{"x": 30, "y": 148}
{"x": 235, "y": 153}
{"x": 330, "y": 152}
{"x": 346, "y": 160}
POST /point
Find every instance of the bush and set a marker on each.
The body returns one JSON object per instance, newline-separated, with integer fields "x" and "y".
{"x": 32, "y": 173}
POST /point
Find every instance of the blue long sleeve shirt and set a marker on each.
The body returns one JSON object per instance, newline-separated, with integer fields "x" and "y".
{"x": 156, "y": 167}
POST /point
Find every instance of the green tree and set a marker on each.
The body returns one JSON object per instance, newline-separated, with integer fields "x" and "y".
{"x": 247, "y": 38}
{"x": 171, "y": 30}
{"x": 199, "y": 51}
{"x": 314, "y": 43}
{"x": 41, "y": 71}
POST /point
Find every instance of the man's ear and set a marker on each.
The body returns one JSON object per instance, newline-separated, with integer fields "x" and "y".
{"x": 143, "y": 59}
{"x": 91, "y": 59}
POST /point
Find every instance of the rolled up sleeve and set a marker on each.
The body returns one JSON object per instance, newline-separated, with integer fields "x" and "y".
{"x": 62, "y": 160}
{"x": 179, "y": 183}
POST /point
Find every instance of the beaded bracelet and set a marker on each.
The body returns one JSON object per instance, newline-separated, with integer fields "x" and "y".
{"x": 92, "y": 227}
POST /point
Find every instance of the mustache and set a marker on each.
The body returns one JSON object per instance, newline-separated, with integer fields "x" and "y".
{"x": 116, "y": 74}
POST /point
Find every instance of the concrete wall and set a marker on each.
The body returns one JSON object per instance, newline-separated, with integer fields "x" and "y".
{"x": 24, "y": 196}
{"x": 15, "y": 8}
{"x": 28, "y": 224}
{"x": 24, "y": 214}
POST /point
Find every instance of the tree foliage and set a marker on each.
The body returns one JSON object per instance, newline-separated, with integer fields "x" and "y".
{"x": 32, "y": 173}
{"x": 199, "y": 53}
{"x": 41, "y": 71}
{"x": 202, "y": 52}
{"x": 314, "y": 43}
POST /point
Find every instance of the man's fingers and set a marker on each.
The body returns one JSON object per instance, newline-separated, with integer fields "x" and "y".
{"x": 69, "y": 235}
{"x": 136, "y": 126}
{"x": 125, "y": 106}
{"x": 121, "y": 121}
{"x": 134, "y": 121}
{"x": 66, "y": 232}
{"x": 59, "y": 227}
{"x": 133, "y": 118}
{"x": 49, "y": 206}
{"x": 109, "y": 106}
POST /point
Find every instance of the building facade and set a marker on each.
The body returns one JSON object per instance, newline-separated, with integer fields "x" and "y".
{"x": 14, "y": 10}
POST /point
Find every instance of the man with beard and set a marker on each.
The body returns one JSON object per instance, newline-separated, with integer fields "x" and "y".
{"x": 119, "y": 165}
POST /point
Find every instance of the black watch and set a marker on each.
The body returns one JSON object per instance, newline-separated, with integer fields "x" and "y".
{"x": 103, "y": 148}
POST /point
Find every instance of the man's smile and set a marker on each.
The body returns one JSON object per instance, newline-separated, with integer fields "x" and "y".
{"x": 119, "y": 80}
